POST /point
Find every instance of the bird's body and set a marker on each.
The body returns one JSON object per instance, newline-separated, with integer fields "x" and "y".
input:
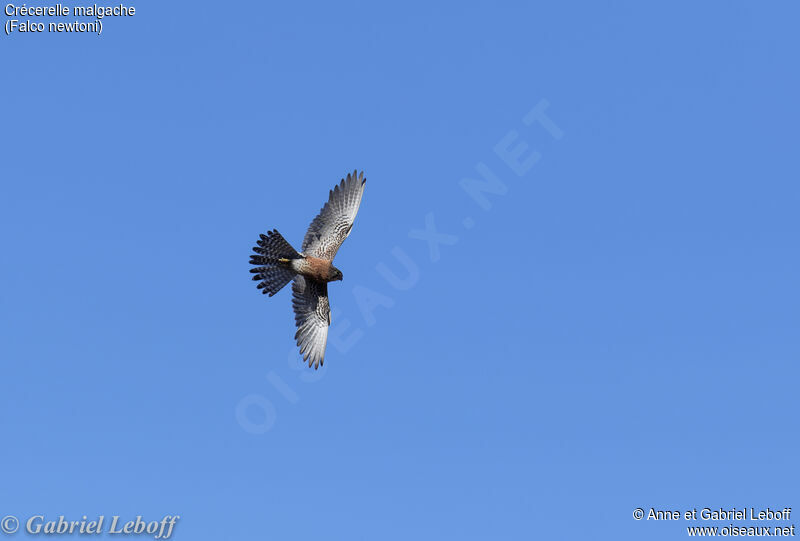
{"x": 315, "y": 268}
{"x": 277, "y": 263}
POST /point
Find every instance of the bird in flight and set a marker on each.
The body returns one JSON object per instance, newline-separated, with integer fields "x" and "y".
{"x": 276, "y": 263}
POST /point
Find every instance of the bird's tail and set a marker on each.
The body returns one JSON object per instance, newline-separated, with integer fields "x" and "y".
{"x": 273, "y": 256}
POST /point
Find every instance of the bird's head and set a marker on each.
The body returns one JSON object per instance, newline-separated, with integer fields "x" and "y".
{"x": 335, "y": 274}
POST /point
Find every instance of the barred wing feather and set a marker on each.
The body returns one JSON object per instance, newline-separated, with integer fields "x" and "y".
{"x": 312, "y": 314}
{"x": 333, "y": 223}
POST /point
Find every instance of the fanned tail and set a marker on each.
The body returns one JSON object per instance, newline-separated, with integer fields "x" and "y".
{"x": 273, "y": 257}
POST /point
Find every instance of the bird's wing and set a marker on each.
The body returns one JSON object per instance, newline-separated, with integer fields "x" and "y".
{"x": 334, "y": 222}
{"x": 312, "y": 314}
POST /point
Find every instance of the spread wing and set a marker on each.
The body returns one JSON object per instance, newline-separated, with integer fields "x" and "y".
{"x": 312, "y": 314}
{"x": 334, "y": 222}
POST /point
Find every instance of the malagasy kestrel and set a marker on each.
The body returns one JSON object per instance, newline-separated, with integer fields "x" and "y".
{"x": 277, "y": 263}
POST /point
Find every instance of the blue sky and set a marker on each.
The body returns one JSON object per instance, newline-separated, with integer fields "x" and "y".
{"x": 619, "y": 329}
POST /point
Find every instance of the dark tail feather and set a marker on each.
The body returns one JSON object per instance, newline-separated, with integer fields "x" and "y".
{"x": 273, "y": 246}
{"x": 271, "y": 273}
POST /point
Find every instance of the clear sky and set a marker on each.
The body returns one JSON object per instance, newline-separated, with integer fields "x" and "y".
{"x": 609, "y": 322}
